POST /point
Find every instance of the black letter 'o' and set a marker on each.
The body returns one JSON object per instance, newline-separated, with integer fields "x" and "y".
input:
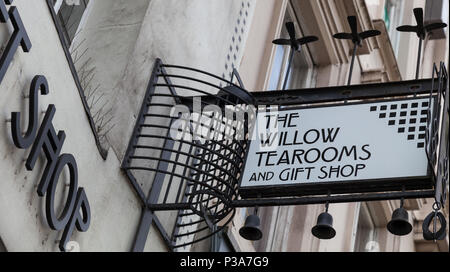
{"x": 305, "y": 138}
{"x": 308, "y": 160}
{"x": 52, "y": 219}
{"x": 333, "y": 158}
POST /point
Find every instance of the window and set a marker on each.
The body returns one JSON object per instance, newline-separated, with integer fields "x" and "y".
{"x": 70, "y": 13}
{"x": 302, "y": 72}
{"x": 393, "y": 17}
{"x": 366, "y": 232}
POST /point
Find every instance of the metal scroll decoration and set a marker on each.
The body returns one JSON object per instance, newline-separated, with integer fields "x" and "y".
{"x": 437, "y": 153}
{"x": 187, "y": 154}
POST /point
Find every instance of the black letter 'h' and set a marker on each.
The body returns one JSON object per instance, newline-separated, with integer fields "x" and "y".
{"x": 51, "y": 145}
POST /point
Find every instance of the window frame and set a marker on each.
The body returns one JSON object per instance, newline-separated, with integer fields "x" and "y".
{"x": 57, "y": 7}
{"x": 397, "y": 14}
{"x": 289, "y": 14}
{"x": 373, "y": 235}
{"x": 51, "y": 6}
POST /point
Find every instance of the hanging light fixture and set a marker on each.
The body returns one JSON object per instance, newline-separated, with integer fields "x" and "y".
{"x": 250, "y": 230}
{"x": 399, "y": 224}
{"x": 324, "y": 227}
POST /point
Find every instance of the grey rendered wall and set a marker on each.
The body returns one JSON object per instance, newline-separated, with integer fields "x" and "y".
{"x": 124, "y": 39}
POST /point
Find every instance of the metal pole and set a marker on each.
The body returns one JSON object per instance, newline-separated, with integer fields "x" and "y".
{"x": 143, "y": 230}
{"x": 291, "y": 57}
{"x": 351, "y": 65}
{"x": 419, "y": 58}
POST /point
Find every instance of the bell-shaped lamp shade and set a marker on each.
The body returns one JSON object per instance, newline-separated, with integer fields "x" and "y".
{"x": 250, "y": 230}
{"x": 399, "y": 224}
{"x": 324, "y": 227}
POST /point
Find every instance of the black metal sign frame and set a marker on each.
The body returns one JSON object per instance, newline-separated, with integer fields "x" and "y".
{"x": 203, "y": 174}
{"x": 431, "y": 186}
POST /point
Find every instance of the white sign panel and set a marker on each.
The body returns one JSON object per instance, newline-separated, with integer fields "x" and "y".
{"x": 382, "y": 140}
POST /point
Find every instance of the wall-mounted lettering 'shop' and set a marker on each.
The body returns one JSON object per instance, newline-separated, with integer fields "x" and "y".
{"x": 356, "y": 38}
{"x": 295, "y": 44}
{"x": 421, "y": 30}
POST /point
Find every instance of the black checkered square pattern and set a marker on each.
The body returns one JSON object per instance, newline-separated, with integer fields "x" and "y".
{"x": 409, "y": 118}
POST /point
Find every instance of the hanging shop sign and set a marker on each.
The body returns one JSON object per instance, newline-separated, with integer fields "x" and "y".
{"x": 363, "y": 147}
{"x": 76, "y": 210}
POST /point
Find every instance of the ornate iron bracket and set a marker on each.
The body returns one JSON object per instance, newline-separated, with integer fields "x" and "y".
{"x": 187, "y": 153}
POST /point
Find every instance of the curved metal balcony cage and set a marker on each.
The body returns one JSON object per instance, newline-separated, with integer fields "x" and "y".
{"x": 188, "y": 152}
